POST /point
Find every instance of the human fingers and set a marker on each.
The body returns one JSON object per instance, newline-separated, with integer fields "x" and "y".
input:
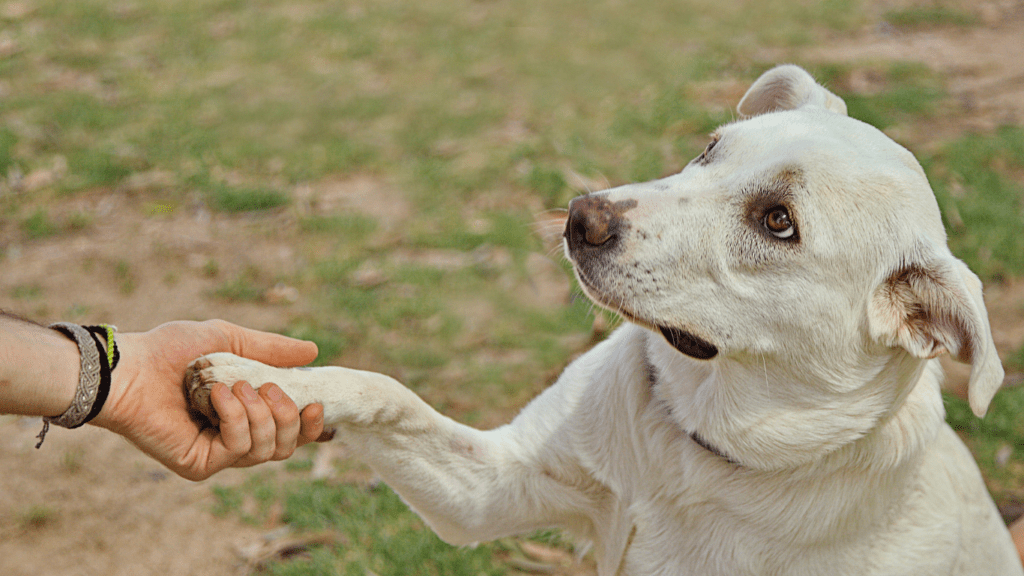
{"x": 312, "y": 421}
{"x": 286, "y": 419}
{"x": 232, "y": 442}
{"x": 266, "y": 347}
{"x": 262, "y": 428}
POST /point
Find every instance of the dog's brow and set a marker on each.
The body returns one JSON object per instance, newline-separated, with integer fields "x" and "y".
{"x": 777, "y": 188}
{"x": 705, "y": 157}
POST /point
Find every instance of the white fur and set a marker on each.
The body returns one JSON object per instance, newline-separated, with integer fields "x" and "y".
{"x": 823, "y": 393}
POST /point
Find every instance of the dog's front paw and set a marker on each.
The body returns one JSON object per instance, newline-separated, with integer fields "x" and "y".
{"x": 204, "y": 372}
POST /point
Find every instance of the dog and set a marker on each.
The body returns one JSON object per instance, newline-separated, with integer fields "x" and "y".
{"x": 771, "y": 407}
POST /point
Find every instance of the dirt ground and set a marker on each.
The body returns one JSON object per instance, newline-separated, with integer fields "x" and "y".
{"x": 89, "y": 504}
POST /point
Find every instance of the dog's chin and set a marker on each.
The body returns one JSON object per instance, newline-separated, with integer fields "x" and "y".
{"x": 689, "y": 344}
{"x": 680, "y": 339}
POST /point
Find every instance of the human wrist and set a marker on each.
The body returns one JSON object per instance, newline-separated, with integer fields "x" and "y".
{"x": 62, "y": 376}
{"x": 98, "y": 356}
{"x": 118, "y": 408}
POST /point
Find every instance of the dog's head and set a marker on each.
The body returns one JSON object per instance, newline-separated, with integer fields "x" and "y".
{"x": 800, "y": 239}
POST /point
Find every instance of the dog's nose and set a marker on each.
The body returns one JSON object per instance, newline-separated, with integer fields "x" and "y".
{"x": 593, "y": 221}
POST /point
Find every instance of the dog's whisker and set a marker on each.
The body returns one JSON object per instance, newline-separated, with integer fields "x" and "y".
{"x": 767, "y": 388}
{"x": 550, "y": 211}
{"x": 582, "y": 182}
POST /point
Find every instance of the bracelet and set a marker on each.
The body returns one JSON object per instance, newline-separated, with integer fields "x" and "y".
{"x": 97, "y": 362}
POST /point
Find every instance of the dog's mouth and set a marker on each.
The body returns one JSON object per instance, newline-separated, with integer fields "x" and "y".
{"x": 683, "y": 341}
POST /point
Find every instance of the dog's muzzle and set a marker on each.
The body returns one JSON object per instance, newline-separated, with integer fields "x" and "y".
{"x": 593, "y": 232}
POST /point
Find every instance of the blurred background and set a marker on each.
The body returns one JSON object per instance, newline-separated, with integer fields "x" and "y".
{"x": 385, "y": 177}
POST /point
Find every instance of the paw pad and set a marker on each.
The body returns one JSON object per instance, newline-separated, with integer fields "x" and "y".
{"x": 197, "y": 390}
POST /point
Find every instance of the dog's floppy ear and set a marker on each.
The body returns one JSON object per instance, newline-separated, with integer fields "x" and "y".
{"x": 787, "y": 87}
{"x": 935, "y": 308}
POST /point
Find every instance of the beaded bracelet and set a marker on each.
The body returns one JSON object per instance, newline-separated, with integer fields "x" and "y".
{"x": 97, "y": 362}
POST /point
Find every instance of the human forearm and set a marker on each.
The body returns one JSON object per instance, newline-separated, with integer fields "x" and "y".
{"x": 38, "y": 369}
{"x": 143, "y": 399}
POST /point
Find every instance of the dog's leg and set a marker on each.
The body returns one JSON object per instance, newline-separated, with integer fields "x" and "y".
{"x": 468, "y": 485}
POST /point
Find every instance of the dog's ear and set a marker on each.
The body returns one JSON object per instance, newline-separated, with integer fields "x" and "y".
{"x": 935, "y": 308}
{"x": 787, "y": 87}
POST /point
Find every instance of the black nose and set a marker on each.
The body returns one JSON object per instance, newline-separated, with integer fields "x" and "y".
{"x": 594, "y": 221}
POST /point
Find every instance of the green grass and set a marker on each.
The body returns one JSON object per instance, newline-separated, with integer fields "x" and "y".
{"x": 7, "y": 141}
{"x": 930, "y": 16}
{"x": 37, "y": 516}
{"x": 1016, "y": 360}
{"x": 977, "y": 183}
{"x": 126, "y": 278}
{"x": 247, "y": 286}
{"x": 330, "y": 340}
{"x": 27, "y": 292}
{"x": 91, "y": 168}
{"x": 38, "y": 225}
{"x": 158, "y": 86}
{"x": 349, "y": 227}
{"x": 1002, "y": 427}
{"x": 241, "y": 199}
{"x": 910, "y": 93}
{"x": 384, "y": 537}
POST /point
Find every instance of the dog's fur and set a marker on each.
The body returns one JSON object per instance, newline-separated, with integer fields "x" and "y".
{"x": 772, "y": 408}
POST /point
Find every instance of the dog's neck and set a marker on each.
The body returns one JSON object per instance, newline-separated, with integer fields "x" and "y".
{"x": 767, "y": 420}
{"x": 652, "y": 380}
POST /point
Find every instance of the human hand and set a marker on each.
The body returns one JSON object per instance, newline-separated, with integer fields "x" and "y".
{"x": 147, "y": 405}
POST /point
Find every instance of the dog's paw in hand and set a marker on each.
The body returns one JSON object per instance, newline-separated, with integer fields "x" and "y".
{"x": 203, "y": 373}
{"x": 197, "y": 389}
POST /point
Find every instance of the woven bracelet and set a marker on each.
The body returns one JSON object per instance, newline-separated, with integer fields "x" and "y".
{"x": 97, "y": 361}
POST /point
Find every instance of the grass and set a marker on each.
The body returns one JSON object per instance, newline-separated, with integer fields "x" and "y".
{"x": 381, "y": 535}
{"x": 37, "y": 516}
{"x": 126, "y": 278}
{"x": 1016, "y": 360}
{"x": 38, "y": 225}
{"x": 478, "y": 116}
{"x": 228, "y": 199}
{"x": 27, "y": 292}
{"x": 353, "y": 227}
{"x": 909, "y": 92}
{"x": 391, "y": 541}
{"x": 246, "y": 287}
{"x": 930, "y": 16}
{"x": 977, "y": 182}
{"x": 330, "y": 341}
{"x": 1001, "y": 428}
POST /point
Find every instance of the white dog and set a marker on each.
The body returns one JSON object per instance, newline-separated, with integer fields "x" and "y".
{"x": 772, "y": 408}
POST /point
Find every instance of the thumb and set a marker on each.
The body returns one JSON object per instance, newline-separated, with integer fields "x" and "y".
{"x": 267, "y": 347}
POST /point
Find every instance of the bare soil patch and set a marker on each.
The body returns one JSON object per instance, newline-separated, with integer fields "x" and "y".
{"x": 980, "y": 64}
{"x": 87, "y": 503}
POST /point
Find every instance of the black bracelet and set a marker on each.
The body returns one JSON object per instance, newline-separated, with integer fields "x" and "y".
{"x": 104, "y": 390}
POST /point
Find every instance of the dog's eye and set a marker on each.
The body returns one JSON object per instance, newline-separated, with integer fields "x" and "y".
{"x": 778, "y": 222}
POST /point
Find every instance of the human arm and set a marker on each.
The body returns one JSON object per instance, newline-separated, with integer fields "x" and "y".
{"x": 39, "y": 374}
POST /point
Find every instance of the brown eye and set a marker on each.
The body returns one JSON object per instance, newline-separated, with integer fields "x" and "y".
{"x": 778, "y": 222}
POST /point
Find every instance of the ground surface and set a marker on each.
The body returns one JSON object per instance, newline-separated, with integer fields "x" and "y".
{"x": 89, "y": 504}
